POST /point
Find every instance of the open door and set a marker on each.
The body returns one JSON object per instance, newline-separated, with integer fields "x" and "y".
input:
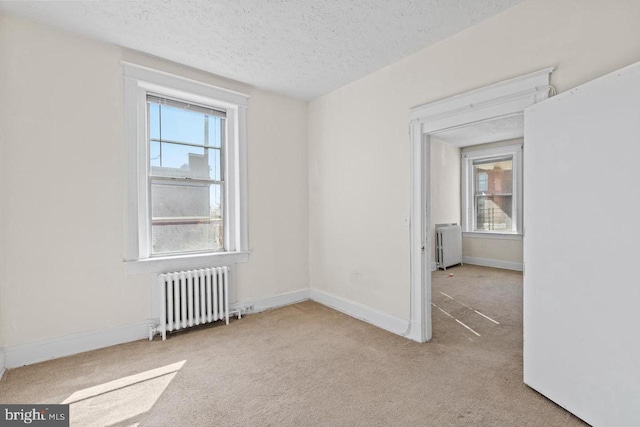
{"x": 582, "y": 249}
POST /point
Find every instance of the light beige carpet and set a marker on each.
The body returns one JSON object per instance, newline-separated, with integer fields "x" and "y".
{"x": 309, "y": 365}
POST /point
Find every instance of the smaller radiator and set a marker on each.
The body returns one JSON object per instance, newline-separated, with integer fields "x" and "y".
{"x": 193, "y": 297}
{"x": 448, "y": 246}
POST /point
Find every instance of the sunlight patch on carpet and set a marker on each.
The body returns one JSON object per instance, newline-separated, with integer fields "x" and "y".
{"x": 122, "y": 399}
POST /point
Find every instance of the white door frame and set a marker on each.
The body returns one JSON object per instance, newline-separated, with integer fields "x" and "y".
{"x": 499, "y": 100}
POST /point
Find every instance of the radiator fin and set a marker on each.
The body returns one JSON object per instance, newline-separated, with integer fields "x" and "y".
{"x": 193, "y": 297}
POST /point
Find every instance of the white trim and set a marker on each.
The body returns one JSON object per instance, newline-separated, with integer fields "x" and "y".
{"x": 241, "y": 181}
{"x": 504, "y": 99}
{"x": 140, "y": 72}
{"x": 420, "y": 313}
{"x": 360, "y": 311}
{"x": 2, "y": 363}
{"x": 185, "y": 262}
{"x": 495, "y": 263}
{"x": 67, "y": 345}
{"x": 257, "y": 305}
{"x": 138, "y": 82}
{"x": 351, "y": 308}
{"x": 492, "y": 236}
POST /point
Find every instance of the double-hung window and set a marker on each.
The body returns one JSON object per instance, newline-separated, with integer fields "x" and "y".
{"x": 491, "y": 190}
{"x": 186, "y": 156}
{"x": 186, "y": 152}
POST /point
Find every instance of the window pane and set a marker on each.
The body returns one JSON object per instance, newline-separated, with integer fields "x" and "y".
{"x": 496, "y": 176}
{"x": 154, "y": 121}
{"x": 482, "y": 182}
{"x": 216, "y": 131}
{"x": 176, "y": 160}
{"x": 494, "y": 213}
{"x": 174, "y": 124}
{"x": 181, "y": 125}
{"x": 154, "y": 154}
{"x": 186, "y": 217}
{"x": 493, "y": 194}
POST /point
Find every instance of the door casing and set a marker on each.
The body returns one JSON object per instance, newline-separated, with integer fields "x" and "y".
{"x": 507, "y": 98}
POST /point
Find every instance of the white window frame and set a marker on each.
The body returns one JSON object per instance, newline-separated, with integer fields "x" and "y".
{"x": 467, "y": 183}
{"x": 138, "y": 82}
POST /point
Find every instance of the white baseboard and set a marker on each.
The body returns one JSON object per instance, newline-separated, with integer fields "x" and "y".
{"x": 360, "y": 311}
{"x": 67, "y": 345}
{"x": 495, "y": 263}
{"x": 2, "y": 364}
{"x": 434, "y": 266}
{"x": 52, "y": 348}
{"x": 415, "y": 334}
{"x": 350, "y": 308}
{"x": 261, "y": 304}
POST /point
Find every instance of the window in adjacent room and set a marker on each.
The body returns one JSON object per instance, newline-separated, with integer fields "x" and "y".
{"x": 491, "y": 197}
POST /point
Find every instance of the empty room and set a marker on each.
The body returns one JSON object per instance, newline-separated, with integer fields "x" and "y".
{"x": 319, "y": 213}
{"x": 475, "y": 195}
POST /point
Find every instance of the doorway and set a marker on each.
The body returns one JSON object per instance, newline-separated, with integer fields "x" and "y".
{"x": 481, "y": 107}
{"x": 476, "y": 226}
{"x": 578, "y": 312}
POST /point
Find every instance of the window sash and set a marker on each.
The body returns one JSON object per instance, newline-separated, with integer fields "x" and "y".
{"x": 489, "y": 214}
{"x": 185, "y": 220}
{"x": 495, "y": 159}
{"x": 169, "y": 176}
{"x": 478, "y": 194}
{"x": 471, "y": 195}
{"x": 492, "y": 194}
{"x": 190, "y": 144}
{"x": 184, "y": 180}
{"x": 163, "y": 100}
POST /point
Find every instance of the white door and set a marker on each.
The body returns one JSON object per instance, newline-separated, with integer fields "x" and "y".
{"x": 582, "y": 249}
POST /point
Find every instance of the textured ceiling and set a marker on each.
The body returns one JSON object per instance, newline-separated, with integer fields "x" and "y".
{"x": 481, "y": 133}
{"x": 302, "y": 48}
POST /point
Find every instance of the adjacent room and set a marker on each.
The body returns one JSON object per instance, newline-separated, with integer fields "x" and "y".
{"x": 476, "y": 225}
{"x": 319, "y": 213}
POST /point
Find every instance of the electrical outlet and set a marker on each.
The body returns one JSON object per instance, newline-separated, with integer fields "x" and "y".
{"x": 248, "y": 308}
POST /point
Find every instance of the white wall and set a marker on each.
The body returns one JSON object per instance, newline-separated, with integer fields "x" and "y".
{"x": 444, "y": 196}
{"x": 493, "y": 252}
{"x": 278, "y": 197}
{"x": 62, "y": 187}
{"x": 359, "y": 151}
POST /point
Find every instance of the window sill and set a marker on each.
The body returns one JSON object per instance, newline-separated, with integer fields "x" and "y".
{"x": 498, "y": 236}
{"x": 184, "y": 262}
